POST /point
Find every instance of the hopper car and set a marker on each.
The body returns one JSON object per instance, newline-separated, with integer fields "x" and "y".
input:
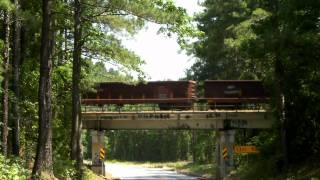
{"x": 179, "y": 94}
{"x": 164, "y": 93}
{"x": 234, "y": 92}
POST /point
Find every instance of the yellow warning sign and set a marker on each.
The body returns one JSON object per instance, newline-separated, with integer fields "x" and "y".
{"x": 102, "y": 154}
{"x": 245, "y": 149}
{"x": 225, "y": 153}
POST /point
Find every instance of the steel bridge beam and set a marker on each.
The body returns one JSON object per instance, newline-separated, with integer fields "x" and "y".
{"x": 176, "y": 120}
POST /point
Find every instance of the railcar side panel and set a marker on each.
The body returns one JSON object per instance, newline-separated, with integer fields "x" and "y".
{"x": 166, "y": 93}
{"x": 234, "y": 91}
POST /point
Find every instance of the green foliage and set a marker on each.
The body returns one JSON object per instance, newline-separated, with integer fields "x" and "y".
{"x": 86, "y": 142}
{"x": 265, "y": 165}
{"x": 168, "y": 145}
{"x": 174, "y": 19}
{"x": 63, "y": 169}
{"x": 264, "y": 169}
{"x": 204, "y": 146}
{"x": 143, "y": 145}
{"x": 108, "y": 49}
{"x": 104, "y": 58}
{"x": 6, "y": 5}
{"x": 89, "y": 175}
{"x": 12, "y": 168}
{"x": 1, "y": 58}
{"x": 275, "y": 41}
{"x": 218, "y": 49}
{"x": 282, "y": 44}
{"x": 105, "y": 24}
{"x": 93, "y": 73}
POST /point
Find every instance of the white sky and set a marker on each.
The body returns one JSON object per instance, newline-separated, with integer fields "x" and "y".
{"x": 161, "y": 54}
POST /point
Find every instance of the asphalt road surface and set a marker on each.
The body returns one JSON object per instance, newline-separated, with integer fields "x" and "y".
{"x": 138, "y": 172}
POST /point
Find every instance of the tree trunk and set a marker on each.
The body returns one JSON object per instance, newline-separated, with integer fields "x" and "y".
{"x": 15, "y": 85}
{"x": 193, "y": 146}
{"x": 76, "y": 147}
{"x": 279, "y": 79}
{"x": 60, "y": 51}
{"x": 43, "y": 161}
{"x": 279, "y": 73}
{"x": 279, "y": 84}
{"x": 6, "y": 51}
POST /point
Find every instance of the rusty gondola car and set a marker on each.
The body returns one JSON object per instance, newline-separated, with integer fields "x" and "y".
{"x": 234, "y": 93}
{"x": 164, "y": 93}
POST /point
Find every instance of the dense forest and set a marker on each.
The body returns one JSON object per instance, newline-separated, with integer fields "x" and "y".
{"x": 52, "y": 52}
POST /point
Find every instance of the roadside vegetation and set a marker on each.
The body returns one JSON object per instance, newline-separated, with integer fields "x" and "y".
{"x": 265, "y": 170}
{"x": 13, "y": 168}
{"x": 53, "y": 51}
{"x": 277, "y": 42}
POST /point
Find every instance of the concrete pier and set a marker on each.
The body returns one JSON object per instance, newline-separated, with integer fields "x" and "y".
{"x": 98, "y": 165}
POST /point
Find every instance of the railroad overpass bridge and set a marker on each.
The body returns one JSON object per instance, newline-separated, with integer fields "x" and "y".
{"x": 224, "y": 122}
{"x": 171, "y": 95}
{"x": 177, "y": 120}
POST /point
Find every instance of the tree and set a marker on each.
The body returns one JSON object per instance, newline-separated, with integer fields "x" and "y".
{"x": 43, "y": 161}
{"x": 216, "y": 57}
{"x": 273, "y": 41}
{"x": 16, "y": 77}
{"x": 6, "y": 72}
{"x": 285, "y": 32}
{"x": 76, "y": 146}
{"x": 99, "y": 41}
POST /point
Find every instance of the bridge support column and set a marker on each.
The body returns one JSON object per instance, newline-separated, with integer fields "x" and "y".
{"x": 224, "y": 158}
{"x": 98, "y": 165}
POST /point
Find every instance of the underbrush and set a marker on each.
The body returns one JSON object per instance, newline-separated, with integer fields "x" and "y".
{"x": 193, "y": 168}
{"x": 262, "y": 169}
{"x": 267, "y": 170}
{"x": 89, "y": 175}
{"x": 12, "y": 168}
{"x": 64, "y": 169}
{"x": 310, "y": 169}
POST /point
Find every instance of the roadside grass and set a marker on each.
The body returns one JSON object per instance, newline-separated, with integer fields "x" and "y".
{"x": 187, "y": 167}
{"x": 89, "y": 175}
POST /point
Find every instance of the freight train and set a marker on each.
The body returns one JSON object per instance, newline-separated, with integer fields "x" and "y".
{"x": 234, "y": 93}
{"x": 181, "y": 94}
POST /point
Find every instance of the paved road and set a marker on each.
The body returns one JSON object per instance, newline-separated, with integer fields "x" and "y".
{"x": 137, "y": 172}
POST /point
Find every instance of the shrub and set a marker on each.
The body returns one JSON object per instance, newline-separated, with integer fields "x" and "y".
{"x": 12, "y": 168}
{"x": 64, "y": 169}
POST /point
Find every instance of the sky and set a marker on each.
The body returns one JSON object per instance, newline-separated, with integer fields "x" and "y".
{"x": 163, "y": 59}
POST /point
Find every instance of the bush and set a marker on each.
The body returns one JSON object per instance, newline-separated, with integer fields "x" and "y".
{"x": 259, "y": 169}
{"x": 12, "y": 168}
{"x": 64, "y": 169}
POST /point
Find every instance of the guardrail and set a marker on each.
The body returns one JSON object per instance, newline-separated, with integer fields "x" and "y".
{"x": 155, "y": 107}
{"x": 178, "y": 119}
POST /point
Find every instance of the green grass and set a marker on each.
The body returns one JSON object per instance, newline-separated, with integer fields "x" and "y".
{"x": 90, "y": 175}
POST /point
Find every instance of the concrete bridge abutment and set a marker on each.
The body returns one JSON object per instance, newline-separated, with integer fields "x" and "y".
{"x": 98, "y": 165}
